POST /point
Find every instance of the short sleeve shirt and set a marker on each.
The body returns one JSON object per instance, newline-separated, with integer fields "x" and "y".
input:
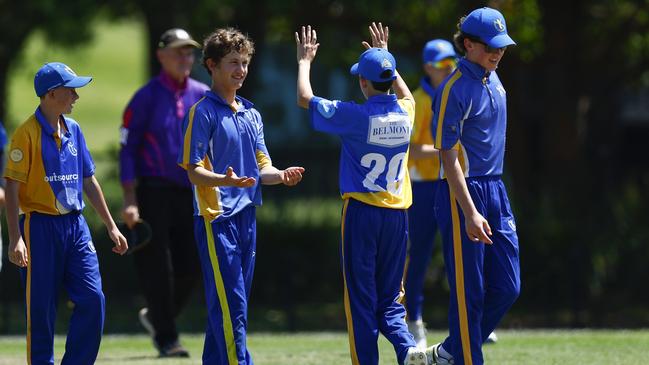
{"x": 375, "y": 138}
{"x": 423, "y": 169}
{"x": 217, "y": 137}
{"x": 50, "y": 168}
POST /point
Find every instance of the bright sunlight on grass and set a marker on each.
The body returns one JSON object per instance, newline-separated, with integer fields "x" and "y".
{"x": 529, "y": 347}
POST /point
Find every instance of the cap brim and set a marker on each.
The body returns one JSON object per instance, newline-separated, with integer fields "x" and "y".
{"x": 354, "y": 69}
{"x": 79, "y": 81}
{"x": 500, "y": 41}
{"x": 183, "y": 43}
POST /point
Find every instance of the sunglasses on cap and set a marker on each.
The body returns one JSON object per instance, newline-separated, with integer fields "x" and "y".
{"x": 445, "y": 63}
{"x": 487, "y": 48}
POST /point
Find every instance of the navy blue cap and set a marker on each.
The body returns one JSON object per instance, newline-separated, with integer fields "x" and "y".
{"x": 489, "y": 25}
{"x": 437, "y": 50}
{"x": 373, "y": 62}
{"x": 55, "y": 74}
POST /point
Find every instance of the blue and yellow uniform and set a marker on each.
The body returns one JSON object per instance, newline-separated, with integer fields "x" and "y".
{"x": 375, "y": 187}
{"x": 470, "y": 108}
{"x": 51, "y": 169}
{"x": 216, "y": 137}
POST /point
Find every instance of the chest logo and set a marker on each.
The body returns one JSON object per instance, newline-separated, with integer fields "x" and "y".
{"x": 16, "y": 155}
{"x": 72, "y": 149}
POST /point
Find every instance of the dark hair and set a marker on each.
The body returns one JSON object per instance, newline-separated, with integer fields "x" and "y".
{"x": 223, "y": 41}
{"x": 384, "y": 85}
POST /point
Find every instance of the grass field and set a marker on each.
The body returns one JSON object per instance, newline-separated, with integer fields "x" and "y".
{"x": 116, "y": 61}
{"x": 542, "y": 347}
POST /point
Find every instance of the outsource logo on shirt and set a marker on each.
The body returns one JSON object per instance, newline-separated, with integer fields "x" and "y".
{"x": 63, "y": 177}
{"x": 389, "y": 130}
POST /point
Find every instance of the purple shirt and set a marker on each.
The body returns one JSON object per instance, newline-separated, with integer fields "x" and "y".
{"x": 151, "y": 133}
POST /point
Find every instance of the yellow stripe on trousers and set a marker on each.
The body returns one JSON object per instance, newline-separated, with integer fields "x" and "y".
{"x": 228, "y": 333}
{"x": 459, "y": 282}
{"x": 348, "y": 309}
{"x": 28, "y": 293}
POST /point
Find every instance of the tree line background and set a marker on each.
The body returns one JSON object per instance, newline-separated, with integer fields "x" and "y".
{"x": 576, "y": 166}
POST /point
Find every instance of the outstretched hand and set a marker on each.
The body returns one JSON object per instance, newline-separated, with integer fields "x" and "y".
{"x": 231, "y": 179}
{"x": 292, "y": 175}
{"x": 307, "y": 44}
{"x": 379, "y": 34}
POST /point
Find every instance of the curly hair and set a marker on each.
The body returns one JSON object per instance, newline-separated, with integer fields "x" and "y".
{"x": 223, "y": 41}
{"x": 459, "y": 36}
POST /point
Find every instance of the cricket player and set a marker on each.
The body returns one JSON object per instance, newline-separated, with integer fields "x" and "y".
{"x": 226, "y": 159}
{"x": 48, "y": 170}
{"x": 375, "y": 187}
{"x": 474, "y": 214}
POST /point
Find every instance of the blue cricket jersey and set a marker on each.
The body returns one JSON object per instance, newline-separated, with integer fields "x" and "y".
{"x": 471, "y": 108}
{"x": 375, "y": 138}
{"x": 217, "y": 137}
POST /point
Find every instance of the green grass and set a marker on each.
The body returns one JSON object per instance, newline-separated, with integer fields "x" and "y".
{"x": 116, "y": 60}
{"x": 528, "y": 347}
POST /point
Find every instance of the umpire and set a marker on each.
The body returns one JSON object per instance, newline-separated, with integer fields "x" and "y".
{"x": 158, "y": 191}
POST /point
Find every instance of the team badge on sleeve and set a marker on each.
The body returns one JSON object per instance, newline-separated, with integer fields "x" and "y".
{"x": 16, "y": 155}
{"x": 327, "y": 108}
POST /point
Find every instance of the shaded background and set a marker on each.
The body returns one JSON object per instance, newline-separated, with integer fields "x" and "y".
{"x": 576, "y": 166}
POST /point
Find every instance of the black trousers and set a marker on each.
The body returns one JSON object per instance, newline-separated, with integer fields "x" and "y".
{"x": 168, "y": 267}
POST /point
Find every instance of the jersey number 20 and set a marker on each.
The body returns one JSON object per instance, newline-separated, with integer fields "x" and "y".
{"x": 395, "y": 174}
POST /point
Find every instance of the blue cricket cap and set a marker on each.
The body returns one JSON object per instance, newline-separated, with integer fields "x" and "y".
{"x": 55, "y": 74}
{"x": 489, "y": 25}
{"x": 437, "y": 50}
{"x": 373, "y": 63}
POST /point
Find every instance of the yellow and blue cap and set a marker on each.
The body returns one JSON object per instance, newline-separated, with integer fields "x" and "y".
{"x": 56, "y": 74}
{"x": 489, "y": 25}
{"x": 373, "y": 64}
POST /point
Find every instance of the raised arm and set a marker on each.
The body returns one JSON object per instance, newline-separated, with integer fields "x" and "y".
{"x": 307, "y": 47}
{"x": 380, "y": 35}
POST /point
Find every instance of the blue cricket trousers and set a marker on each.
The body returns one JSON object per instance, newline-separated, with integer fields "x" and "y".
{"x": 61, "y": 253}
{"x": 422, "y": 227}
{"x": 373, "y": 251}
{"x": 484, "y": 279}
{"x": 227, "y": 253}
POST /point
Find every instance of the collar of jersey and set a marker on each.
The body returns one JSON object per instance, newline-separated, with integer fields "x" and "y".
{"x": 471, "y": 69}
{"x": 219, "y": 100}
{"x": 46, "y": 126}
{"x": 427, "y": 87}
{"x": 382, "y": 98}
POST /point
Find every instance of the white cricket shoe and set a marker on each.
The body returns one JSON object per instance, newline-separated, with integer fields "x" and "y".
{"x": 418, "y": 331}
{"x": 416, "y": 356}
{"x": 492, "y": 338}
{"x": 438, "y": 356}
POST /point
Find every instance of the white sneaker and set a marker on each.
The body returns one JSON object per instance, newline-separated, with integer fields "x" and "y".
{"x": 144, "y": 320}
{"x": 492, "y": 338}
{"x": 416, "y": 356}
{"x": 418, "y": 331}
{"x": 438, "y": 356}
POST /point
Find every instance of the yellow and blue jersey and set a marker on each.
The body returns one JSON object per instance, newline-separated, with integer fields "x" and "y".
{"x": 216, "y": 137}
{"x": 470, "y": 108}
{"x": 50, "y": 167}
{"x": 423, "y": 169}
{"x": 375, "y": 138}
